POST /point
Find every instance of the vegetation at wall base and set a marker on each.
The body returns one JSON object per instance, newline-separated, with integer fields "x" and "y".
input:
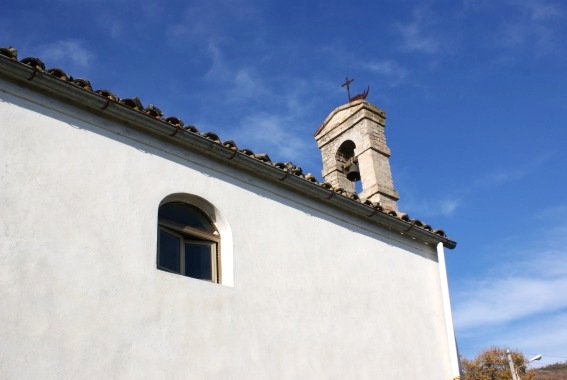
{"x": 557, "y": 371}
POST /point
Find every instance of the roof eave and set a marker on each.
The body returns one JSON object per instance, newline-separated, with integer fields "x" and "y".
{"x": 101, "y": 106}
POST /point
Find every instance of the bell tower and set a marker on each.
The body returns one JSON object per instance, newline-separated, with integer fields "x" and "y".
{"x": 353, "y": 147}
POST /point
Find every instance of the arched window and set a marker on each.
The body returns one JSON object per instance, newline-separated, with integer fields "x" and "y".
{"x": 188, "y": 242}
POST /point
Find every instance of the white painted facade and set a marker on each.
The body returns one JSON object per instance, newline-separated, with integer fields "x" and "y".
{"x": 309, "y": 291}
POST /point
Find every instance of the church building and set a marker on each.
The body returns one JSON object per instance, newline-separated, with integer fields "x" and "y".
{"x": 133, "y": 246}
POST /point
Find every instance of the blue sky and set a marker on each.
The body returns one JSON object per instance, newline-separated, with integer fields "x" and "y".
{"x": 475, "y": 92}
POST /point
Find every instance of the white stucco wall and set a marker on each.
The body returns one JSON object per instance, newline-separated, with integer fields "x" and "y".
{"x": 311, "y": 294}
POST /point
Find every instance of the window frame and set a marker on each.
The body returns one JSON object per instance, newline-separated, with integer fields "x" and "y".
{"x": 188, "y": 234}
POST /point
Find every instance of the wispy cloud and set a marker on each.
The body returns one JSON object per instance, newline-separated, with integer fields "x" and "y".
{"x": 273, "y": 133}
{"x": 212, "y": 19}
{"x": 391, "y": 70}
{"x": 218, "y": 70}
{"x": 537, "y": 10}
{"x": 475, "y": 5}
{"x": 241, "y": 83}
{"x": 542, "y": 10}
{"x": 557, "y": 212}
{"x": 448, "y": 207}
{"x": 540, "y": 38}
{"x": 442, "y": 207}
{"x": 501, "y": 176}
{"x": 530, "y": 283}
{"x": 415, "y": 34}
{"x": 66, "y": 53}
{"x": 269, "y": 116}
{"x": 506, "y": 298}
{"x": 530, "y": 24}
{"x": 520, "y": 303}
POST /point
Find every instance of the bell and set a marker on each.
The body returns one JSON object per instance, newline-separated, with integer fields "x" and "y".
{"x": 352, "y": 172}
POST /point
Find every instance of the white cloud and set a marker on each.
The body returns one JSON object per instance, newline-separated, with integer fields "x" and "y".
{"x": 542, "y": 10}
{"x": 114, "y": 28}
{"x": 529, "y": 284}
{"x": 557, "y": 212}
{"x": 268, "y": 116}
{"x": 501, "y": 176}
{"x": 212, "y": 19}
{"x": 65, "y": 53}
{"x": 507, "y": 298}
{"x": 393, "y": 72}
{"x": 415, "y": 34}
{"x": 446, "y": 206}
{"x": 219, "y": 70}
{"x": 273, "y": 133}
{"x": 476, "y": 5}
{"x": 239, "y": 84}
{"x": 530, "y": 24}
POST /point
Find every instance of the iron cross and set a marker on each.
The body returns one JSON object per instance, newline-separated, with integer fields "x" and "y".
{"x": 347, "y": 84}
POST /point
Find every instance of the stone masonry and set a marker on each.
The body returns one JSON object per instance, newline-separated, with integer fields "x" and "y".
{"x": 361, "y": 125}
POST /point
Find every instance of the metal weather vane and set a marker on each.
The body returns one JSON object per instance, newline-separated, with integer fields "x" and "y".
{"x": 361, "y": 96}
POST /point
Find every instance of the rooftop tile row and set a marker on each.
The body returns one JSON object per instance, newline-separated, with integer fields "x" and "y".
{"x": 154, "y": 112}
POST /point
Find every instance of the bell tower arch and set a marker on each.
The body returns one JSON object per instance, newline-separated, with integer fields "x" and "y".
{"x": 353, "y": 134}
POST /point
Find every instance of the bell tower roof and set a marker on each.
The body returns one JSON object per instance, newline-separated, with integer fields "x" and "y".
{"x": 342, "y": 114}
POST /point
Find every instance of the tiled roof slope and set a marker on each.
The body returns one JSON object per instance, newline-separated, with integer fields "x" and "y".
{"x": 288, "y": 168}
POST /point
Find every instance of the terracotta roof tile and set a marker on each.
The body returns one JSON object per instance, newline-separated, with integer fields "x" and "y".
{"x": 191, "y": 128}
{"x": 107, "y": 94}
{"x": 36, "y": 63}
{"x": 174, "y": 121}
{"x": 354, "y": 196}
{"x": 440, "y": 233}
{"x": 291, "y": 168}
{"x": 263, "y": 157}
{"x": 82, "y": 83}
{"x": 230, "y": 145}
{"x": 211, "y": 136}
{"x": 247, "y": 152}
{"x": 133, "y": 103}
{"x": 153, "y": 111}
{"x": 311, "y": 178}
{"x": 9, "y": 52}
{"x": 58, "y": 73}
{"x": 416, "y": 222}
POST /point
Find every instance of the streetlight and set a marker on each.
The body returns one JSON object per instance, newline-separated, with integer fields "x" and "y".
{"x": 513, "y": 370}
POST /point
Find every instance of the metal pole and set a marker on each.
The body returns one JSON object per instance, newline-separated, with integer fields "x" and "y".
{"x": 512, "y": 369}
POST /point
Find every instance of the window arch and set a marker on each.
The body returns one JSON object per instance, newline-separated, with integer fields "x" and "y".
{"x": 188, "y": 242}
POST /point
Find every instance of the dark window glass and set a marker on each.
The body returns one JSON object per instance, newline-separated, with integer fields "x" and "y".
{"x": 186, "y": 215}
{"x": 169, "y": 248}
{"x": 198, "y": 260}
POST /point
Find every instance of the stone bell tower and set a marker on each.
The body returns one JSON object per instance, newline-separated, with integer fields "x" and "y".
{"x": 354, "y": 134}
